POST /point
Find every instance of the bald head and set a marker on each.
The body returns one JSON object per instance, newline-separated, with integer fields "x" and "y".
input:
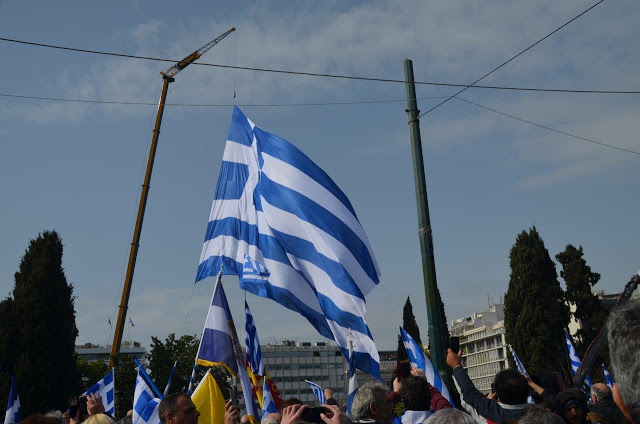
{"x": 600, "y": 391}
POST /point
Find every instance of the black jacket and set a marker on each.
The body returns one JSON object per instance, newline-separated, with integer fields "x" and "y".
{"x": 607, "y": 408}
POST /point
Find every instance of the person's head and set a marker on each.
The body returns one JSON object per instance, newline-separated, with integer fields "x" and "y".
{"x": 536, "y": 414}
{"x": 178, "y": 409}
{"x": 127, "y": 419}
{"x": 600, "y": 391}
{"x": 54, "y": 413}
{"x": 571, "y": 406}
{"x": 450, "y": 416}
{"x": 511, "y": 387}
{"x": 623, "y": 328}
{"x": 290, "y": 402}
{"x": 371, "y": 401}
{"x": 415, "y": 394}
{"x": 99, "y": 419}
{"x": 245, "y": 419}
{"x": 272, "y": 418}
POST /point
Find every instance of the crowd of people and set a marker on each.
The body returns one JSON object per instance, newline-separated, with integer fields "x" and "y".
{"x": 508, "y": 402}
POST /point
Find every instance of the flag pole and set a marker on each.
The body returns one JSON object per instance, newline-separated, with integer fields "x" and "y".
{"x": 195, "y": 362}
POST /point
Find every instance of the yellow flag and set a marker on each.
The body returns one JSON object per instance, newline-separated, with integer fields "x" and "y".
{"x": 209, "y": 401}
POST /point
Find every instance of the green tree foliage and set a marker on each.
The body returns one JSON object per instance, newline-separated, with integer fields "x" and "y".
{"x": 410, "y": 326}
{"x": 579, "y": 281}
{"x": 535, "y": 314}
{"x": 124, "y": 382}
{"x": 39, "y": 328}
{"x": 90, "y": 372}
{"x": 163, "y": 355}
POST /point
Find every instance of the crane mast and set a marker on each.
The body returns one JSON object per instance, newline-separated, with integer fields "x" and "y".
{"x": 168, "y": 77}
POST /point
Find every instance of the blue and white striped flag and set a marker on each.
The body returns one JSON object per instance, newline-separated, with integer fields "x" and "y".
{"x": 519, "y": 365}
{"x": 317, "y": 391}
{"x": 14, "y": 411}
{"x": 220, "y": 346}
{"x": 145, "y": 404}
{"x": 105, "y": 388}
{"x": 268, "y": 404}
{"x": 419, "y": 360}
{"x": 254, "y": 353}
{"x": 285, "y": 228}
{"x": 168, "y": 386}
{"x": 353, "y": 383}
{"x": 607, "y": 377}
{"x": 575, "y": 360}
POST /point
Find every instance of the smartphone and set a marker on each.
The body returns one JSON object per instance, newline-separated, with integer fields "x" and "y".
{"x": 312, "y": 414}
{"x": 82, "y": 404}
{"x": 454, "y": 343}
{"x": 73, "y": 406}
{"x": 405, "y": 369}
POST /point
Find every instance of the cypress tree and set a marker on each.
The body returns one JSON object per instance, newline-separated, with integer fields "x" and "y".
{"x": 410, "y": 326}
{"x": 535, "y": 314}
{"x": 45, "y": 327}
{"x": 579, "y": 280}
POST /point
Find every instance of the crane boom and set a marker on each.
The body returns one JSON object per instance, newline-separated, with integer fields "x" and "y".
{"x": 175, "y": 69}
{"x": 135, "y": 243}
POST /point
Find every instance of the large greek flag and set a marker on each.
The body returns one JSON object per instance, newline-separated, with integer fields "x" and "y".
{"x": 575, "y": 360}
{"x": 14, "y": 411}
{"x": 106, "y": 390}
{"x": 285, "y": 228}
{"x": 419, "y": 360}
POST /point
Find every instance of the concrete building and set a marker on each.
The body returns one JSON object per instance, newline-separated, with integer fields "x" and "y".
{"x": 484, "y": 349}
{"x": 91, "y": 353}
{"x": 607, "y": 301}
{"x": 388, "y": 364}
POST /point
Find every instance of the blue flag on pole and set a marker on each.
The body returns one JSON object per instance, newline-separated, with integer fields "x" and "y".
{"x": 268, "y": 404}
{"x": 145, "y": 404}
{"x": 607, "y": 377}
{"x": 105, "y": 388}
{"x": 14, "y": 411}
{"x": 419, "y": 360}
{"x": 317, "y": 391}
{"x": 285, "y": 228}
{"x": 168, "y": 386}
{"x": 575, "y": 360}
{"x": 353, "y": 382}
{"x": 519, "y": 365}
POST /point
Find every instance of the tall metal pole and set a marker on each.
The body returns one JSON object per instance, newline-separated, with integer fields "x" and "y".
{"x": 436, "y": 332}
{"x": 135, "y": 243}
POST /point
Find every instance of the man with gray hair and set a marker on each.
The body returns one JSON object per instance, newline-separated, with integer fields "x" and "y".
{"x": 604, "y": 405}
{"x": 450, "y": 416}
{"x": 624, "y": 350}
{"x": 371, "y": 404}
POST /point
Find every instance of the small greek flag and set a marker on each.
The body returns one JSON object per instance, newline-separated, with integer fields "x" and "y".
{"x": 14, "y": 411}
{"x": 353, "y": 382}
{"x": 318, "y": 391}
{"x": 575, "y": 360}
{"x": 519, "y": 365}
{"x": 168, "y": 386}
{"x": 105, "y": 388}
{"x": 268, "y": 404}
{"x": 419, "y": 360}
{"x": 607, "y": 377}
{"x": 145, "y": 404}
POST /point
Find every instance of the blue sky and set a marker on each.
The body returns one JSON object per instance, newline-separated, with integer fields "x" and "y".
{"x": 77, "y": 168}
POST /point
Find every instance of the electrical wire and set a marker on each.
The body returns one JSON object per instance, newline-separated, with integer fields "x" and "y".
{"x": 323, "y": 75}
{"x": 110, "y": 102}
{"x": 513, "y": 58}
{"x": 549, "y": 128}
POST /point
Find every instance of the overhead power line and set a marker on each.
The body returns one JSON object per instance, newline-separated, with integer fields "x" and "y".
{"x": 548, "y": 128}
{"x": 114, "y": 102}
{"x": 508, "y": 61}
{"x": 322, "y": 75}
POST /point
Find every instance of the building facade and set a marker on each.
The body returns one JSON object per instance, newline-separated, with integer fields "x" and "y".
{"x": 483, "y": 345}
{"x": 92, "y": 353}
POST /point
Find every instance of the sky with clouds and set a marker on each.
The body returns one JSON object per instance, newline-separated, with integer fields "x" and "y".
{"x": 77, "y": 168}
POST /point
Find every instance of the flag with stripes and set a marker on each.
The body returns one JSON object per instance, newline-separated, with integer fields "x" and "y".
{"x": 353, "y": 383}
{"x": 14, "y": 411}
{"x": 317, "y": 391}
{"x": 268, "y": 403}
{"x": 253, "y": 354}
{"x": 145, "y": 403}
{"x": 575, "y": 360}
{"x": 285, "y": 228}
{"x": 519, "y": 365}
{"x": 105, "y": 388}
{"x": 168, "y": 386}
{"x": 419, "y": 360}
{"x": 607, "y": 377}
{"x": 220, "y": 346}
